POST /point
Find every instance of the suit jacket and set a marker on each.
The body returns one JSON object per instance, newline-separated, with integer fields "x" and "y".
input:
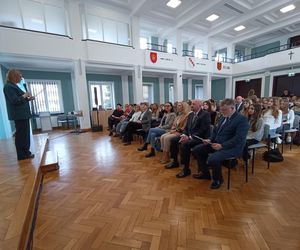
{"x": 232, "y": 135}
{"x": 17, "y": 106}
{"x": 200, "y": 127}
{"x": 146, "y": 120}
{"x": 239, "y": 108}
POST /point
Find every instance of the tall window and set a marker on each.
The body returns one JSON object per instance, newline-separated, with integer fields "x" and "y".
{"x": 148, "y": 92}
{"x": 198, "y": 53}
{"x": 34, "y": 15}
{"x": 170, "y": 48}
{"x": 198, "y": 91}
{"x": 48, "y": 96}
{"x": 101, "y": 94}
{"x": 103, "y": 29}
{"x": 171, "y": 93}
{"x": 143, "y": 43}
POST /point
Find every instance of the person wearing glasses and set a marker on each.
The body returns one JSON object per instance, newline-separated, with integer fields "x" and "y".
{"x": 17, "y": 103}
{"x": 227, "y": 140}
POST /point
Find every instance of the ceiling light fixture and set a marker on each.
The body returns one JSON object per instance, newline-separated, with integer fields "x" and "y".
{"x": 174, "y": 3}
{"x": 287, "y": 8}
{"x": 239, "y": 28}
{"x": 212, "y": 17}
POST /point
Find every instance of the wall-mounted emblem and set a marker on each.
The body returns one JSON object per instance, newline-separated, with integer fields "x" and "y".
{"x": 153, "y": 57}
{"x": 219, "y": 65}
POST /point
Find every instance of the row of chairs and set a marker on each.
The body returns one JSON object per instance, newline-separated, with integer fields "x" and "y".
{"x": 265, "y": 143}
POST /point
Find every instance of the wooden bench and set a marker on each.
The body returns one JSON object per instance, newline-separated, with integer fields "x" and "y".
{"x": 49, "y": 162}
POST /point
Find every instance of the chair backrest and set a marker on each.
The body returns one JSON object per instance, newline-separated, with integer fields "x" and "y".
{"x": 61, "y": 118}
{"x": 266, "y": 132}
{"x": 296, "y": 122}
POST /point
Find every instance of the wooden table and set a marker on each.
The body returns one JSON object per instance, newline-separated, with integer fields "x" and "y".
{"x": 102, "y": 117}
{"x": 20, "y": 182}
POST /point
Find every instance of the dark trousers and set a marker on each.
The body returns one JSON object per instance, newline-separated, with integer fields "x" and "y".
{"x": 112, "y": 122}
{"x": 206, "y": 156}
{"x": 185, "y": 150}
{"x": 130, "y": 129}
{"x": 22, "y": 138}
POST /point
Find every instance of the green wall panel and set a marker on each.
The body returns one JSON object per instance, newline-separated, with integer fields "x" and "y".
{"x": 185, "y": 89}
{"x": 267, "y": 86}
{"x": 218, "y": 89}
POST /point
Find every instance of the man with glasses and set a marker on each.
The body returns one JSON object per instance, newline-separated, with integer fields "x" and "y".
{"x": 227, "y": 140}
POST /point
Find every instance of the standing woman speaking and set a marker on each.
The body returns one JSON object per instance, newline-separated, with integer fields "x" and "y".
{"x": 17, "y": 103}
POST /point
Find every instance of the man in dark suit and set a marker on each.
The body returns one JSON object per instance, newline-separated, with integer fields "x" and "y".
{"x": 239, "y": 105}
{"x": 17, "y": 103}
{"x": 227, "y": 140}
{"x": 197, "y": 128}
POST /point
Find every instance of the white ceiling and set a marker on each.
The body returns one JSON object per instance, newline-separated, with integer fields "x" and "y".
{"x": 262, "y": 19}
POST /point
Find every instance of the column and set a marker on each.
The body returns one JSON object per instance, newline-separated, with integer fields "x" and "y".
{"x": 5, "y": 127}
{"x": 231, "y": 51}
{"x": 135, "y": 32}
{"x": 178, "y": 87}
{"x": 229, "y": 90}
{"x": 161, "y": 90}
{"x": 137, "y": 80}
{"x": 80, "y": 92}
{"x": 207, "y": 87}
{"x": 190, "y": 89}
{"x": 125, "y": 89}
{"x": 209, "y": 50}
{"x": 179, "y": 42}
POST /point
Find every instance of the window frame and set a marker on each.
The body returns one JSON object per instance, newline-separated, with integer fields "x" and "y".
{"x": 60, "y": 96}
{"x": 100, "y": 83}
{"x": 195, "y": 89}
{"x": 151, "y": 96}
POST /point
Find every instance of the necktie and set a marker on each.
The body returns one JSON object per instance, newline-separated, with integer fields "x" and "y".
{"x": 194, "y": 118}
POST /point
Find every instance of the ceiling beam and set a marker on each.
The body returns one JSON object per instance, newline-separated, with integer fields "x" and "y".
{"x": 199, "y": 9}
{"x": 140, "y": 4}
{"x": 269, "y": 29}
{"x": 252, "y": 14}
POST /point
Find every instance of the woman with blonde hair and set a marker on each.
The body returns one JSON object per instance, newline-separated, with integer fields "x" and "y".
{"x": 178, "y": 126}
{"x": 272, "y": 116}
{"x": 247, "y": 103}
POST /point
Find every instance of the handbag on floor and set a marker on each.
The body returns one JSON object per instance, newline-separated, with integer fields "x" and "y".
{"x": 273, "y": 155}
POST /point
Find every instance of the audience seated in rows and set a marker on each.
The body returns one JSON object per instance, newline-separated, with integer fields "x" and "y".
{"x": 164, "y": 126}
{"x": 197, "y": 128}
{"x": 227, "y": 140}
{"x": 143, "y": 122}
{"x": 178, "y": 126}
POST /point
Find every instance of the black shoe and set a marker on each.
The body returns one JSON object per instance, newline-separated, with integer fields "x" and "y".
{"x": 152, "y": 153}
{"x": 216, "y": 184}
{"x": 202, "y": 176}
{"x": 183, "y": 173}
{"x": 127, "y": 143}
{"x": 110, "y": 133}
{"x": 144, "y": 147}
{"x": 26, "y": 157}
{"x": 172, "y": 164}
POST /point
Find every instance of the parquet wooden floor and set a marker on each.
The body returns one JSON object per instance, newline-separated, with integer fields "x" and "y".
{"x": 108, "y": 196}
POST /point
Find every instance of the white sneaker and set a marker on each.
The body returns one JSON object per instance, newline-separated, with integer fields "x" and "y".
{"x": 288, "y": 139}
{"x": 278, "y": 140}
{"x": 273, "y": 145}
